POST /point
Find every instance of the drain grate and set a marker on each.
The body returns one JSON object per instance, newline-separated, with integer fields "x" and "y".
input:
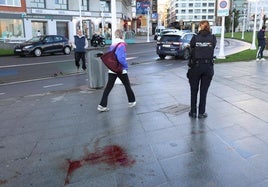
{"x": 175, "y": 109}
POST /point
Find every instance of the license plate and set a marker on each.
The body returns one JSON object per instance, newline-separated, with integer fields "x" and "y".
{"x": 18, "y": 50}
{"x": 166, "y": 45}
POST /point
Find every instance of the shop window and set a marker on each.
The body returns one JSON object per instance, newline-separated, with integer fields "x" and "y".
{"x": 11, "y": 28}
{"x": 10, "y": 3}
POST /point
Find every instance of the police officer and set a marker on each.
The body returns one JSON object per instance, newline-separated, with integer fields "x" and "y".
{"x": 201, "y": 70}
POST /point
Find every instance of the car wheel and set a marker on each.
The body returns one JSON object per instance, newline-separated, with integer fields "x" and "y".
{"x": 67, "y": 50}
{"x": 186, "y": 54}
{"x": 37, "y": 52}
{"x": 162, "y": 57}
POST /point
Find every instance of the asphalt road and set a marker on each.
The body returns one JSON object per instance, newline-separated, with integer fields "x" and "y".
{"x": 38, "y": 75}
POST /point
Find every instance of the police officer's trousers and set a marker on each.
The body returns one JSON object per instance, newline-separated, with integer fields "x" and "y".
{"x": 200, "y": 76}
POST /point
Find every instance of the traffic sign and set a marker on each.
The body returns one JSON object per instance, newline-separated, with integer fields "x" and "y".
{"x": 223, "y": 7}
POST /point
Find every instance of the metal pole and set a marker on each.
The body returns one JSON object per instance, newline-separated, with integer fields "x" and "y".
{"x": 102, "y": 21}
{"x": 148, "y": 22}
{"x": 253, "y": 44}
{"x": 244, "y": 23}
{"x": 80, "y": 16}
{"x": 221, "y": 53}
{"x": 114, "y": 21}
{"x": 233, "y": 24}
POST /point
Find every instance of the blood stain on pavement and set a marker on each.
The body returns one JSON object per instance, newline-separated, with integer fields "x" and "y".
{"x": 112, "y": 155}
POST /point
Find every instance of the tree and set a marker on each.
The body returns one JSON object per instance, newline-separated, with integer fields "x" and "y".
{"x": 233, "y": 16}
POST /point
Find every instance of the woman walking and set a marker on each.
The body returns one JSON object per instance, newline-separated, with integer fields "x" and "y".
{"x": 121, "y": 56}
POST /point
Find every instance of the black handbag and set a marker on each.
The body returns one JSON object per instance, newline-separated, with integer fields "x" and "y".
{"x": 110, "y": 61}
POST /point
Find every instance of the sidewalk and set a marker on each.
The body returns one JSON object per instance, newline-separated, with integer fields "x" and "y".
{"x": 60, "y": 139}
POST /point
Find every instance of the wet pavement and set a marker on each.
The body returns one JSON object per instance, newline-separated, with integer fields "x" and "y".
{"x": 60, "y": 139}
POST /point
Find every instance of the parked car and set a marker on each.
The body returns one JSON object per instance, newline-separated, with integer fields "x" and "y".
{"x": 174, "y": 44}
{"x": 44, "y": 44}
{"x": 158, "y": 29}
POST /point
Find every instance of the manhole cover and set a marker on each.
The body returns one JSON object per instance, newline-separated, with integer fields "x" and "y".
{"x": 175, "y": 109}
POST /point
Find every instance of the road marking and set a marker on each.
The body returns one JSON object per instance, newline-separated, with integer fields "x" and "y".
{"x": 34, "y": 64}
{"x": 130, "y": 58}
{"x": 52, "y": 85}
{"x": 2, "y": 93}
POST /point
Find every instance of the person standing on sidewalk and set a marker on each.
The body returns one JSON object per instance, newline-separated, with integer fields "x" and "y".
{"x": 201, "y": 69}
{"x": 121, "y": 56}
{"x": 80, "y": 45}
{"x": 261, "y": 43}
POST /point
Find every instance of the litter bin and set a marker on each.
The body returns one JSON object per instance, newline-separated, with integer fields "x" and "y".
{"x": 96, "y": 69}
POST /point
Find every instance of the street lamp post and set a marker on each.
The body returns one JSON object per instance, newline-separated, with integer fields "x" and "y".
{"x": 253, "y": 44}
{"x": 148, "y": 22}
{"x": 80, "y": 16}
{"x": 244, "y": 23}
{"x": 102, "y": 19}
{"x": 233, "y": 23}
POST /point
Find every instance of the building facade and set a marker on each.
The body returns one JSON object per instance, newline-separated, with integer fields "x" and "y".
{"x": 184, "y": 14}
{"x": 22, "y": 19}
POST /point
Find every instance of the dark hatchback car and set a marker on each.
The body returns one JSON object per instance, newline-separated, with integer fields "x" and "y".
{"x": 174, "y": 44}
{"x": 44, "y": 44}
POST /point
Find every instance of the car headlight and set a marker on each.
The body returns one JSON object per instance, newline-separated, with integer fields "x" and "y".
{"x": 27, "y": 47}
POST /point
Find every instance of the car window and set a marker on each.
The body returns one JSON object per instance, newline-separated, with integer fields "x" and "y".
{"x": 48, "y": 39}
{"x": 34, "y": 39}
{"x": 188, "y": 37}
{"x": 58, "y": 38}
{"x": 170, "y": 38}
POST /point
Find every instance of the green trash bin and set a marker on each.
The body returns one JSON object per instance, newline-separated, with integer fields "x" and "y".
{"x": 96, "y": 69}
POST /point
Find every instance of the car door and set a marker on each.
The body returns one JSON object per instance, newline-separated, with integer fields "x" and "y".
{"x": 58, "y": 43}
{"x": 48, "y": 44}
{"x": 186, "y": 39}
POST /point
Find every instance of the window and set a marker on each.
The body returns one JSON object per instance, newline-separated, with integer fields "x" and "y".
{"x": 11, "y": 28}
{"x": 210, "y": 10}
{"x": 211, "y": 4}
{"x": 61, "y": 4}
{"x": 37, "y": 4}
{"x": 10, "y": 3}
{"x": 210, "y": 17}
{"x": 85, "y": 4}
{"x": 106, "y": 5}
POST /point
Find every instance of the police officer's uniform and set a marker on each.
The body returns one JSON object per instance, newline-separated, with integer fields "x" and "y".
{"x": 201, "y": 70}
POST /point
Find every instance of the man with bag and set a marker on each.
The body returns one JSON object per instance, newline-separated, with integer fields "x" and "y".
{"x": 120, "y": 53}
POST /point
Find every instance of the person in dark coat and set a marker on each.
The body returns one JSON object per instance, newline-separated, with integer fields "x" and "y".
{"x": 80, "y": 45}
{"x": 201, "y": 69}
{"x": 261, "y": 43}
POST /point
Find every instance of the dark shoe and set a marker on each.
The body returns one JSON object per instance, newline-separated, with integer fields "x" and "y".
{"x": 202, "y": 115}
{"x": 193, "y": 115}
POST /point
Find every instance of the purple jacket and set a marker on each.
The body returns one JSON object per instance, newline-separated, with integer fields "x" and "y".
{"x": 121, "y": 54}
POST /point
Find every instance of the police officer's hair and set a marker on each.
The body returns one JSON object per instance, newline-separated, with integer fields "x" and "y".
{"x": 204, "y": 25}
{"x": 263, "y": 27}
{"x": 118, "y": 34}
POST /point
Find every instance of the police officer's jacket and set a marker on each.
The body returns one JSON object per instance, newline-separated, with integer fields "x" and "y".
{"x": 202, "y": 47}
